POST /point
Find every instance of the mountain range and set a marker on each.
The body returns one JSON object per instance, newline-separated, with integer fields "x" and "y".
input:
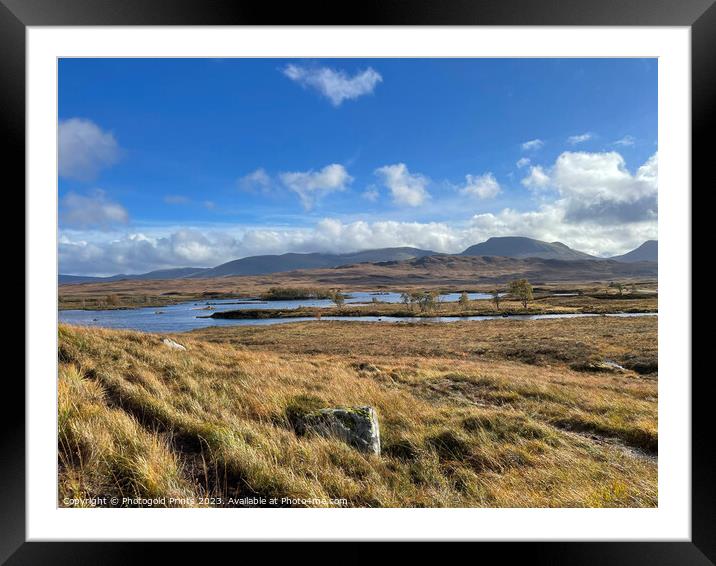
{"x": 648, "y": 251}
{"x": 510, "y": 246}
{"x": 515, "y": 246}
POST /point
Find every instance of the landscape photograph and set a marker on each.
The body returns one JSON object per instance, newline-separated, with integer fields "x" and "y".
{"x": 373, "y": 283}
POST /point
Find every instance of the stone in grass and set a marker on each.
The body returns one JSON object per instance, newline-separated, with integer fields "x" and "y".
{"x": 169, "y": 343}
{"x": 597, "y": 366}
{"x": 357, "y": 426}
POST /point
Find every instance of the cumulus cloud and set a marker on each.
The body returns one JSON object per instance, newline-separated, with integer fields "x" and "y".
{"x": 83, "y": 253}
{"x": 406, "y": 188}
{"x": 532, "y": 144}
{"x": 93, "y": 211}
{"x": 137, "y": 253}
{"x": 256, "y": 181}
{"x": 334, "y": 84}
{"x": 591, "y": 201}
{"x": 311, "y": 186}
{"x": 550, "y": 223}
{"x": 523, "y": 162}
{"x": 598, "y": 187}
{"x": 581, "y": 138}
{"x": 536, "y": 179}
{"x": 84, "y": 149}
{"x": 649, "y": 172}
{"x": 481, "y": 186}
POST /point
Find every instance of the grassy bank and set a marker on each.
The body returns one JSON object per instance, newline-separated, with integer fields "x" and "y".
{"x": 462, "y": 424}
{"x": 69, "y": 300}
{"x": 584, "y": 304}
{"x": 297, "y": 285}
{"x": 559, "y": 343}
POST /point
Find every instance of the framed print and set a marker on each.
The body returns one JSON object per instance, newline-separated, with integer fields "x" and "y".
{"x": 424, "y": 275}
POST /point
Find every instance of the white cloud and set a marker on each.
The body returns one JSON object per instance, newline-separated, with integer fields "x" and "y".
{"x": 371, "y": 193}
{"x": 100, "y": 254}
{"x": 550, "y": 223}
{"x": 625, "y": 141}
{"x": 581, "y": 138}
{"x": 256, "y": 181}
{"x": 597, "y": 205}
{"x": 137, "y": 253}
{"x": 481, "y": 186}
{"x": 84, "y": 149}
{"x": 532, "y": 144}
{"x": 598, "y": 187}
{"x": 523, "y": 162}
{"x": 94, "y": 211}
{"x": 536, "y": 179}
{"x": 334, "y": 84}
{"x": 311, "y": 186}
{"x": 406, "y": 188}
{"x": 649, "y": 172}
{"x": 331, "y": 235}
{"x": 140, "y": 252}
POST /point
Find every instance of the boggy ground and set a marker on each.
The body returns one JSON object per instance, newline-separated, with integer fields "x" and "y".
{"x": 490, "y": 414}
{"x": 441, "y": 274}
{"x": 590, "y": 304}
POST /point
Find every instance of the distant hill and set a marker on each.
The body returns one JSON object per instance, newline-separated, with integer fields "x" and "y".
{"x": 648, "y": 251}
{"x": 513, "y": 247}
{"x": 426, "y": 272}
{"x": 71, "y": 279}
{"x": 519, "y": 247}
{"x": 264, "y": 264}
{"x": 484, "y": 269}
{"x": 177, "y": 273}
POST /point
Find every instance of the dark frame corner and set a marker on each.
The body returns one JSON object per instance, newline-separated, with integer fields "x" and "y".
{"x": 700, "y": 15}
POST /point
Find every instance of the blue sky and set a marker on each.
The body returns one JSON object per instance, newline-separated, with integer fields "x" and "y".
{"x": 174, "y": 162}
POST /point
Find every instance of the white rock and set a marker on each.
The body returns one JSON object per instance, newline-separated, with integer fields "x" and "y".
{"x": 357, "y": 426}
{"x": 169, "y": 343}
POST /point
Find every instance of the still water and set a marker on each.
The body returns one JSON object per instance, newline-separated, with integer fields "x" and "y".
{"x": 186, "y": 316}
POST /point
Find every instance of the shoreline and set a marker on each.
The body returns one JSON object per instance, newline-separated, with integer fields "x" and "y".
{"x": 386, "y": 321}
{"x": 328, "y": 312}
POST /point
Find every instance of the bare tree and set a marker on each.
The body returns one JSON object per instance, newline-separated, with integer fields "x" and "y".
{"x": 338, "y": 298}
{"x": 496, "y": 298}
{"x": 405, "y": 298}
{"x": 426, "y": 300}
{"x": 464, "y": 300}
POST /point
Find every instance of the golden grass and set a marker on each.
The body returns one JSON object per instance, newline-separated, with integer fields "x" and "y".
{"x": 105, "y": 451}
{"x": 458, "y": 429}
{"x": 535, "y": 342}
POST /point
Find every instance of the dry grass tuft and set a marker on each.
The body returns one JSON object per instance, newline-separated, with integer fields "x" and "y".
{"x": 459, "y": 428}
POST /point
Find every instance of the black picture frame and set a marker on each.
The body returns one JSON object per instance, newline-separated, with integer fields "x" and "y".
{"x": 16, "y": 15}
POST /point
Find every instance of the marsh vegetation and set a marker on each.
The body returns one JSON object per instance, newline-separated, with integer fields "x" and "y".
{"x": 503, "y": 417}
